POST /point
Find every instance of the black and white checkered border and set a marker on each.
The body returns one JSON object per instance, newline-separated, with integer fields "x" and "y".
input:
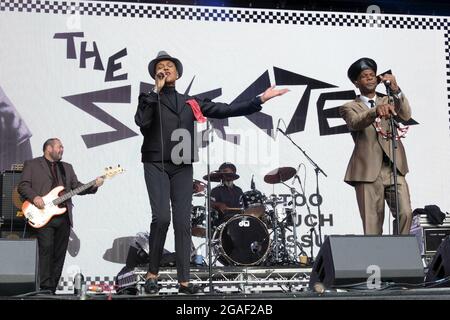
{"x": 66, "y": 285}
{"x": 158, "y": 11}
{"x": 447, "y": 57}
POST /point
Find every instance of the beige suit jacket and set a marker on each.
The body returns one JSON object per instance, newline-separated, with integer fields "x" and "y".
{"x": 367, "y": 157}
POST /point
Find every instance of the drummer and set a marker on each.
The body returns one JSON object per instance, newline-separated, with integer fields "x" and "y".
{"x": 226, "y": 198}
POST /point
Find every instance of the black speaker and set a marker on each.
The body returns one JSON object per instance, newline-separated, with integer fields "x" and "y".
{"x": 18, "y": 267}
{"x": 344, "y": 260}
{"x": 11, "y": 216}
{"x": 439, "y": 267}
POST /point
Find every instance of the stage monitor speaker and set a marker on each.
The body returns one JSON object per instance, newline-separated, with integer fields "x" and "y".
{"x": 346, "y": 260}
{"x": 18, "y": 267}
{"x": 439, "y": 267}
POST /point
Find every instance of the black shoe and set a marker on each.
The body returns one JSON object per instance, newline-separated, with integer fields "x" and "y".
{"x": 190, "y": 289}
{"x": 151, "y": 286}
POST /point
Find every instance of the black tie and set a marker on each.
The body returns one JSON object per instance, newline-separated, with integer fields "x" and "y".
{"x": 54, "y": 174}
{"x": 372, "y": 103}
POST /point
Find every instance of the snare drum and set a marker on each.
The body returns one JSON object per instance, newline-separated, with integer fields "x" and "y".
{"x": 253, "y": 202}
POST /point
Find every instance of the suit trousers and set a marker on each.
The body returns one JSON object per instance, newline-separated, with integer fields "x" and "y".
{"x": 171, "y": 184}
{"x": 372, "y": 195}
{"x": 52, "y": 243}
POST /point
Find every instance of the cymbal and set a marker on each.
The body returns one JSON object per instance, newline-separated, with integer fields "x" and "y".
{"x": 198, "y": 186}
{"x": 199, "y": 194}
{"x": 217, "y": 176}
{"x": 279, "y": 175}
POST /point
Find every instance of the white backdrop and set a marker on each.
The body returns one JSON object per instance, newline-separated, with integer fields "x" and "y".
{"x": 35, "y": 74}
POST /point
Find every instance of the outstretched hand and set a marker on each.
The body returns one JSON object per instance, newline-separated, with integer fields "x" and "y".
{"x": 272, "y": 92}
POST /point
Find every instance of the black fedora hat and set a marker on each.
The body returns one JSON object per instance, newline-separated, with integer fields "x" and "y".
{"x": 162, "y": 55}
{"x": 359, "y": 66}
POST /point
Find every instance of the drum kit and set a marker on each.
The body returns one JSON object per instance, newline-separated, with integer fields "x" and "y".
{"x": 257, "y": 233}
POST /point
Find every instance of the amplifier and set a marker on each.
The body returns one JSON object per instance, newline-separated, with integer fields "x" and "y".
{"x": 429, "y": 238}
{"x": 12, "y": 222}
{"x": 433, "y": 237}
{"x": 11, "y": 204}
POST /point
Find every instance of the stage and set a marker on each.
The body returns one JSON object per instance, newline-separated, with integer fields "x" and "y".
{"x": 397, "y": 294}
{"x": 243, "y": 284}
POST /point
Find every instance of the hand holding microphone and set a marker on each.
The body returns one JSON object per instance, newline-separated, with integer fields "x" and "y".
{"x": 389, "y": 81}
{"x": 160, "y": 80}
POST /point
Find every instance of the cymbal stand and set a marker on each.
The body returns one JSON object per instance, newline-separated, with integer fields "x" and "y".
{"x": 274, "y": 223}
{"x": 279, "y": 246}
{"x": 317, "y": 170}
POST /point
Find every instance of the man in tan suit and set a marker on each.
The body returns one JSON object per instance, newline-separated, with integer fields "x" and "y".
{"x": 370, "y": 166}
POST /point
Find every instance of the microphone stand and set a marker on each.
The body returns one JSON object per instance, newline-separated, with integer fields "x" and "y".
{"x": 209, "y": 215}
{"x": 311, "y": 231}
{"x": 317, "y": 170}
{"x": 309, "y": 212}
{"x": 294, "y": 218}
{"x": 394, "y": 157}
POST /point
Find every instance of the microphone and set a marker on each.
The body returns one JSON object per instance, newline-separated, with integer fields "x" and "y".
{"x": 252, "y": 184}
{"x": 387, "y": 83}
{"x": 160, "y": 75}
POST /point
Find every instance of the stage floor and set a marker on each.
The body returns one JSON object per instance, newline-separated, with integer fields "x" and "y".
{"x": 240, "y": 284}
{"x": 394, "y": 294}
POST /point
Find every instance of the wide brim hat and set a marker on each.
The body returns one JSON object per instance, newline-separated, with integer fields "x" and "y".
{"x": 359, "y": 66}
{"x": 163, "y": 55}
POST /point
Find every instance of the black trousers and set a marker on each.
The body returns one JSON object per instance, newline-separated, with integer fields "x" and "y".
{"x": 171, "y": 185}
{"x": 52, "y": 242}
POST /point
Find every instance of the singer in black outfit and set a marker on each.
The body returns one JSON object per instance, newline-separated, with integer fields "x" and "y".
{"x": 167, "y": 122}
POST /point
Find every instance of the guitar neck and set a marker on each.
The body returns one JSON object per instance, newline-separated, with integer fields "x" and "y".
{"x": 74, "y": 192}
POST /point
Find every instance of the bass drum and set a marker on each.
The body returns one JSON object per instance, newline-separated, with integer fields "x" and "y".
{"x": 241, "y": 241}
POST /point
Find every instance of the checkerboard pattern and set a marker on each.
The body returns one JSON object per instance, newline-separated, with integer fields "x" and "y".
{"x": 177, "y": 12}
{"x": 66, "y": 285}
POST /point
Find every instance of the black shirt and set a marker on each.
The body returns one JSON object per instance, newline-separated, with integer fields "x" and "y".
{"x": 232, "y": 197}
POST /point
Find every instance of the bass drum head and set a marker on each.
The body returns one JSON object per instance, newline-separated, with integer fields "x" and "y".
{"x": 243, "y": 240}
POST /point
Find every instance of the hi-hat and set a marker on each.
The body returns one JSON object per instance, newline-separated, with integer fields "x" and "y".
{"x": 279, "y": 175}
{"x": 217, "y": 176}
